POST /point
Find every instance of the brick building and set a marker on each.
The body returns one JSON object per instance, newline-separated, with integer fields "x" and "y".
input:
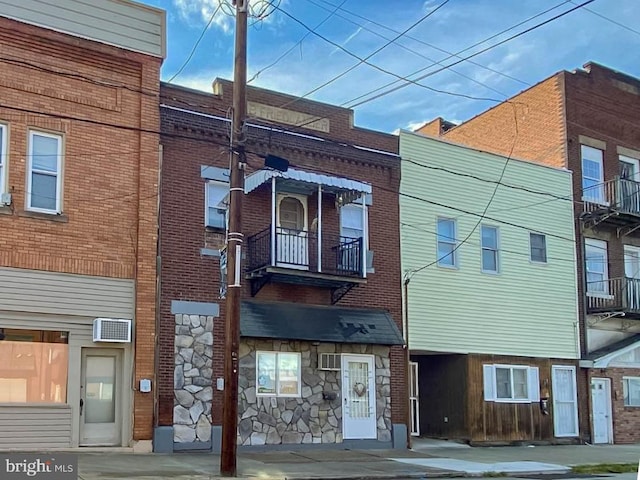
{"x": 78, "y": 214}
{"x": 586, "y": 121}
{"x": 321, "y": 302}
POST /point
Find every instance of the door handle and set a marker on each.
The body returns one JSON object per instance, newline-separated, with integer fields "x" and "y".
{"x": 81, "y": 406}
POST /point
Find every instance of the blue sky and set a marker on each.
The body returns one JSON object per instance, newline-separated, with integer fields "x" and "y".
{"x": 359, "y": 27}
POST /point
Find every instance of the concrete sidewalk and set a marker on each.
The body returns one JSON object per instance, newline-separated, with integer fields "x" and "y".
{"x": 428, "y": 459}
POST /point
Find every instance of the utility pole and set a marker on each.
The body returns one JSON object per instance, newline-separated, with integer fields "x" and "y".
{"x": 234, "y": 247}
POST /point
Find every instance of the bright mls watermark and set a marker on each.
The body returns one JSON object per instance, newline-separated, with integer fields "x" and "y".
{"x": 18, "y": 466}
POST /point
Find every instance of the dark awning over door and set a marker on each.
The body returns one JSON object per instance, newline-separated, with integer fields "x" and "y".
{"x": 298, "y": 321}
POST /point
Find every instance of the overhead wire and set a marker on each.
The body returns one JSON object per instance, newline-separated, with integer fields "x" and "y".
{"x": 195, "y": 46}
{"x": 415, "y": 39}
{"x": 502, "y": 42}
{"x": 365, "y": 59}
{"x": 299, "y": 42}
{"x": 622, "y": 25}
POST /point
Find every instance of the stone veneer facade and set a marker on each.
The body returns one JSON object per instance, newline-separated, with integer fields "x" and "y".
{"x": 309, "y": 419}
{"x": 193, "y": 378}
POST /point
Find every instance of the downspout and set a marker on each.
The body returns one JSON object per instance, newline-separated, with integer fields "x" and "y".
{"x": 407, "y": 359}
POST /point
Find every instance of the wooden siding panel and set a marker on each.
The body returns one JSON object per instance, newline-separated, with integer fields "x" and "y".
{"x": 464, "y": 310}
{"x": 125, "y": 24}
{"x": 17, "y": 426}
{"x": 65, "y": 294}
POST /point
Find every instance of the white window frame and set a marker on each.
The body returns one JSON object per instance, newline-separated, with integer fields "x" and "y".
{"x": 546, "y": 257}
{"x": 357, "y": 207}
{"x": 3, "y": 157}
{"x": 602, "y": 246}
{"x": 625, "y": 388}
{"x": 491, "y": 385}
{"x": 496, "y": 250}
{"x": 206, "y": 203}
{"x": 449, "y": 241}
{"x": 277, "y": 392}
{"x": 58, "y": 174}
{"x": 598, "y": 196}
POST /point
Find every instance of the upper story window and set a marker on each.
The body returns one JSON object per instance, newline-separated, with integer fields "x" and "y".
{"x": 490, "y": 253}
{"x": 44, "y": 174}
{"x": 353, "y": 221}
{"x": 215, "y": 211}
{"x": 538, "y": 247}
{"x": 597, "y": 266}
{"x": 592, "y": 175}
{"x": 447, "y": 243}
{"x": 3, "y": 157}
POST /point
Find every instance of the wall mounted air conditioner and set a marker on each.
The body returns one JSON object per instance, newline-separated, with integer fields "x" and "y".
{"x": 328, "y": 361}
{"x": 112, "y": 330}
{"x": 5, "y": 199}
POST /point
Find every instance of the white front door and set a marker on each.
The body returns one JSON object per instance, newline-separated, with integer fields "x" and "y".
{"x": 601, "y": 410}
{"x": 100, "y": 397}
{"x": 565, "y": 401}
{"x": 358, "y": 397}
{"x": 292, "y": 238}
{"x": 414, "y": 399}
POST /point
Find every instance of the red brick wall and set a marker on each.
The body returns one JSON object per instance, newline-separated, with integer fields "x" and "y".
{"x": 529, "y": 125}
{"x": 188, "y": 276}
{"x": 625, "y": 419}
{"x": 110, "y": 174}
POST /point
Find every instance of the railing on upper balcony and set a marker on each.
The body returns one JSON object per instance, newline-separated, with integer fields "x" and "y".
{"x": 619, "y": 194}
{"x": 614, "y": 294}
{"x": 298, "y": 250}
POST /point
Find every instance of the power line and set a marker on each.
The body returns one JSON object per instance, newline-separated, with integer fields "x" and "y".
{"x": 381, "y": 69}
{"x": 195, "y": 46}
{"x": 364, "y": 60}
{"x": 610, "y": 20}
{"x": 502, "y": 42}
{"x": 299, "y": 42}
{"x": 415, "y": 39}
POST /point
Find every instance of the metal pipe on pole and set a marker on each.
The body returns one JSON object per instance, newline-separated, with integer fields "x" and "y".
{"x": 228, "y": 463}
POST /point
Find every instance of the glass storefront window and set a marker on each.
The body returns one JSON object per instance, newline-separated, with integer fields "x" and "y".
{"x": 33, "y": 366}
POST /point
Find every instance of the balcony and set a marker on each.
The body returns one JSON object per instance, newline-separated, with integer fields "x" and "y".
{"x": 615, "y": 295}
{"x": 300, "y": 257}
{"x": 615, "y": 201}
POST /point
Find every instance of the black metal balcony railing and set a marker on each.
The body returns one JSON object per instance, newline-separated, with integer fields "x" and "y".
{"x": 620, "y": 195}
{"x": 298, "y": 250}
{"x": 614, "y": 295}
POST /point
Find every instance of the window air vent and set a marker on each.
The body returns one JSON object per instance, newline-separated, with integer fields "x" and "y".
{"x": 328, "y": 361}
{"x": 111, "y": 330}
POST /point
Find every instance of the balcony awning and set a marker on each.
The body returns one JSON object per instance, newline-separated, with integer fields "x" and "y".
{"x": 336, "y": 185}
{"x": 316, "y": 323}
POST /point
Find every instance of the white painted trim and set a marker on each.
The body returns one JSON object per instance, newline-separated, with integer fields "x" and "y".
{"x": 277, "y": 379}
{"x": 555, "y": 368}
{"x": 603, "y": 246}
{"x": 607, "y": 383}
{"x": 59, "y": 138}
{"x": 4, "y": 131}
{"x": 604, "y": 361}
{"x": 456, "y": 263}
{"x": 497, "y": 250}
{"x": 636, "y": 165}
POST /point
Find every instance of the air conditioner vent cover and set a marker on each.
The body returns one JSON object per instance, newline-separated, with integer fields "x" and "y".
{"x": 328, "y": 361}
{"x": 112, "y": 330}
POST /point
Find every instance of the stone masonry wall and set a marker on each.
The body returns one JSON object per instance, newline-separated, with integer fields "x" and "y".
{"x": 192, "y": 378}
{"x": 310, "y": 418}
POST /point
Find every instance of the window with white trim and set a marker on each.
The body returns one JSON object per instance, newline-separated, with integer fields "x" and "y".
{"x": 447, "y": 243}
{"x": 631, "y": 389}
{"x": 490, "y": 252}
{"x": 592, "y": 175}
{"x": 511, "y": 383}
{"x": 44, "y": 175}
{"x": 3, "y": 157}
{"x": 596, "y": 265}
{"x": 352, "y": 221}
{"x": 215, "y": 210}
{"x": 278, "y": 374}
{"x": 538, "y": 247}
